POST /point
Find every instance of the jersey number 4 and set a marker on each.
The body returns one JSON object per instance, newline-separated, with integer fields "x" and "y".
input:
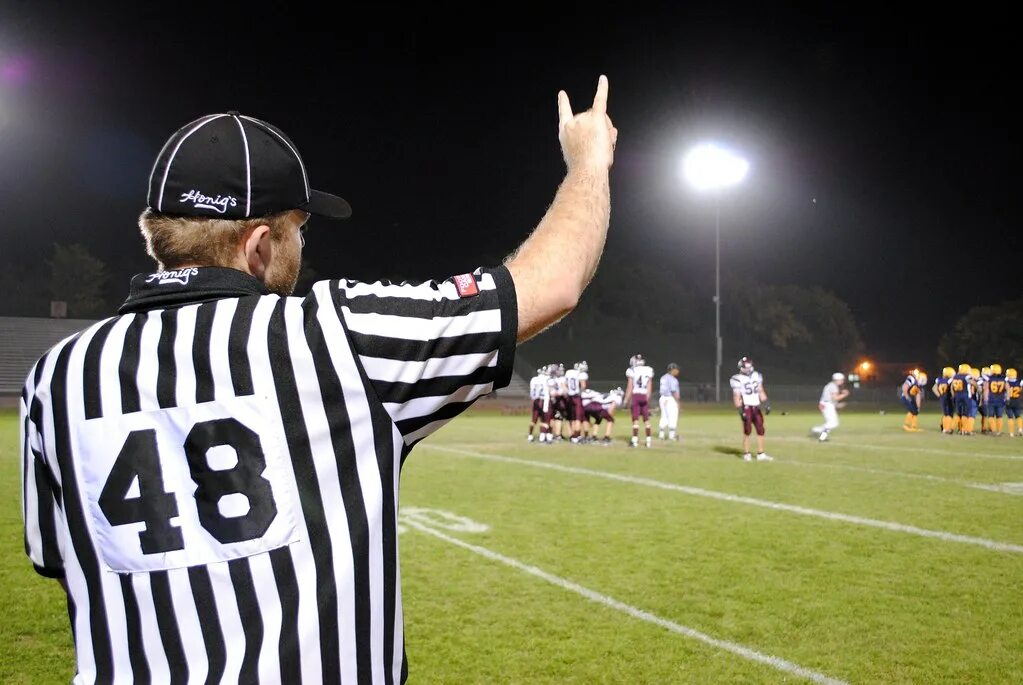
{"x": 154, "y": 506}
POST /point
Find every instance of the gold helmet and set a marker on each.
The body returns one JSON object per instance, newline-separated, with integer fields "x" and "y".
{"x": 964, "y": 368}
{"x": 1010, "y": 373}
{"x": 948, "y": 372}
{"x": 986, "y": 371}
{"x": 921, "y": 378}
{"x": 975, "y": 372}
{"x": 996, "y": 369}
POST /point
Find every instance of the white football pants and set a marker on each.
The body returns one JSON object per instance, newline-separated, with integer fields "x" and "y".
{"x": 830, "y": 415}
{"x": 669, "y": 413}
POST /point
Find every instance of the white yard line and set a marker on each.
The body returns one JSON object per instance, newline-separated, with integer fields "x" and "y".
{"x": 612, "y": 603}
{"x": 991, "y": 487}
{"x": 889, "y": 448}
{"x": 741, "y": 499}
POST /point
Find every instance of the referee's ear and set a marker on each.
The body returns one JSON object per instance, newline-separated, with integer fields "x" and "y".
{"x": 258, "y": 250}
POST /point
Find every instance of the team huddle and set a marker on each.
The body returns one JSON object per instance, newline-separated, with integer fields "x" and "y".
{"x": 563, "y": 400}
{"x": 967, "y": 393}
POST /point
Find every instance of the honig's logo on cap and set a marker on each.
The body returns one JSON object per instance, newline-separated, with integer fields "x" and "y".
{"x": 219, "y": 204}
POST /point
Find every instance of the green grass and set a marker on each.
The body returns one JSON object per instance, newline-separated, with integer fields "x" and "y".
{"x": 854, "y": 602}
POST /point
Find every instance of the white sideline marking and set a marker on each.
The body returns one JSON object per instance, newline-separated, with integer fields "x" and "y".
{"x": 612, "y": 603}
{"x": 768, "y": 504}
{"x": 1004, "y": 488}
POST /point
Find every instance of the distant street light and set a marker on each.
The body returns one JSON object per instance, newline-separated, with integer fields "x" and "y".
{"x": 709, "y": 166}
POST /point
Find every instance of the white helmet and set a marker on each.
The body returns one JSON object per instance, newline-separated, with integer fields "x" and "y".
{"x": 745, "y": 365}
{"x": 838, "y": 376}
{"x": 583, "y": 366}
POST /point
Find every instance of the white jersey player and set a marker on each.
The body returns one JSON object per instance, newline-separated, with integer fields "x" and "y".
{"x": 540, "y": 395}
{"x": 748, "y": 395}
{"x": 831, "y": 399}
{"x": 640, "y": 385}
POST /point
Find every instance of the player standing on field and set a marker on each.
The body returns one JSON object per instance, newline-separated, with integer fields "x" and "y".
{"x": 539, "y": 393}
{"x": 748, "y": 394}
{"x": 573, "y": 390}
{"x": 831, "y": 399}
{"x": 995, "y": 395}
{"x": 212, "y": 475}
{"x": 670, "y": 402}
{"x": 1014, "y": 402}
{"x": 584, "y": 384}
{"x": 638, "y": 388}
{"x": 912, "y": 397}
{"x": 961, "y": 387}
{"x": 942, "y": 390}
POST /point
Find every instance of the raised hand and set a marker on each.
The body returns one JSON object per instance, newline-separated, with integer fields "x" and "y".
{"x": 588, "y": 138}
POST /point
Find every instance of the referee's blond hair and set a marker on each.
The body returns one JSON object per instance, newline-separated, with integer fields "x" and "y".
{"x": 177, "y": 241}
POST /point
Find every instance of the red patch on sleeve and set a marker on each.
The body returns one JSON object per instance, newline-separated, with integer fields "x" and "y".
{"x": 466, "y": 286}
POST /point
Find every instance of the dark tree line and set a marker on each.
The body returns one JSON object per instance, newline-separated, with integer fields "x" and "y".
{"x": 989, "y": 334}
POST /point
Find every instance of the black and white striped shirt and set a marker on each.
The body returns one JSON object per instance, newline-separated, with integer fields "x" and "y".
{"x": 214, "y": 472}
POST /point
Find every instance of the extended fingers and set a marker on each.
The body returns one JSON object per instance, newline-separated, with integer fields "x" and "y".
{"x": 564, "y": 108}
{"x": 600, "y": 99}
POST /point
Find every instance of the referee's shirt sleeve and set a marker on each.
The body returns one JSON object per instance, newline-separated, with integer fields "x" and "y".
{"x": 39, "y": 496}
{"x": 430, "y": 350}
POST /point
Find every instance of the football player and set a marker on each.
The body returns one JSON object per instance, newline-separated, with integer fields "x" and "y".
{"x": 912, "y": 398}
{"x": 1014, "y": 402}
{"x": 584, "y": 384}
{"x": 574, "y": 401}
{"x": 978, "y": 394}
{"x": 638, "y": 387}
{"x": 557, "y": 400}
{"x": 748, "y": 395}
{"x": 600, "y": 408}
{"x": 540, "y": 394}
{"x": 995, "y": 396}
{"x": 977, "y": 383}
{"x": 941, "y": 391}
{"x": 670, "y": 401}
{"x": 961, "y": 388}
{"x": 829, "y": 404}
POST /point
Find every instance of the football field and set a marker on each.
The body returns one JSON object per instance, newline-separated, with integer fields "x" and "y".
{"x": 880, "y": 556}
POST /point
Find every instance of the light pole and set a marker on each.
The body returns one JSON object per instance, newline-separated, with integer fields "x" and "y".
{"x": 710, "y": 167}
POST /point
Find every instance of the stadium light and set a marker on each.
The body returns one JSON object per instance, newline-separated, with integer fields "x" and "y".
{"x": 865, "y": 366}
{"x": 709, "y": 166}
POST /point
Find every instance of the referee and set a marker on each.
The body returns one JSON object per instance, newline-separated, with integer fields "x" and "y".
{"x": 212, "y": 474}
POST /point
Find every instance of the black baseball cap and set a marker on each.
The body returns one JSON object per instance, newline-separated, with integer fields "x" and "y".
{"x": 230, "y": 166}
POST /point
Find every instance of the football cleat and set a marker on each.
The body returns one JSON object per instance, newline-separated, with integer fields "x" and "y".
{"x": 824, "y": 436}
{"x": 763, "y": 456}
{"x": 747, "y": 457}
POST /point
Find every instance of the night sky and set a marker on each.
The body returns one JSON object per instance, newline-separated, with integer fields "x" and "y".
{"x": 441, "y": 132}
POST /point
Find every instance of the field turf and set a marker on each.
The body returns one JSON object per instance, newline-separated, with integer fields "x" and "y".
{"x": 880, "y": 556}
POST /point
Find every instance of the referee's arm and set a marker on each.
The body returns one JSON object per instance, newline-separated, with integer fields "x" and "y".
{"x": 430, "y": 350}
{"x": 39, "y": 496}
{"x": 548, "y": 285}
